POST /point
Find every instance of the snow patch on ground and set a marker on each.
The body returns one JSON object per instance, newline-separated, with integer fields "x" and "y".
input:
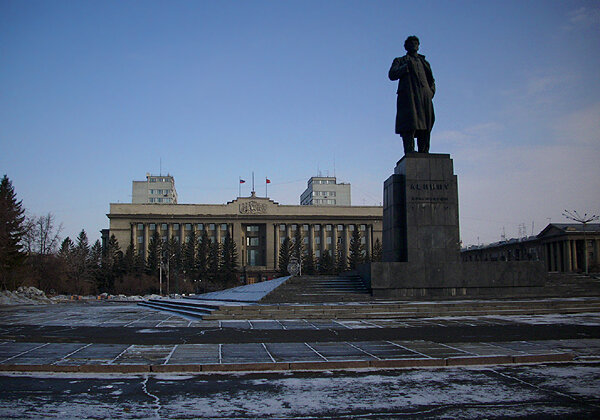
{"x": 24, "y": 296}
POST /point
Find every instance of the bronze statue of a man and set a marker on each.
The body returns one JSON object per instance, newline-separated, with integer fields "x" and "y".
{"x": 416, "y": 87}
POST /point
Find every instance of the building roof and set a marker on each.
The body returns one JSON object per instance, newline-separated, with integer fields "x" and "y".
{"x": 565, "y": 228}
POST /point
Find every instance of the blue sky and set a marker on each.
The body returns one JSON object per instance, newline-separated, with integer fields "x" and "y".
{"x": 95, "y": 94}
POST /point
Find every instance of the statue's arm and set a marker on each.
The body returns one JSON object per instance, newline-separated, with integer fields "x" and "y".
{"x": 430, "y": 78}
{"x": 398, "y": 69}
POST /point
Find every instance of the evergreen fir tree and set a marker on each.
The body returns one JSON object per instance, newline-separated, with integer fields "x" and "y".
{"x": 214, "y": 260}
{"x": 229, "y": 257}
{"x": 12, "y": 230}
{"x": 377, "y": 251}
{"x": 308, "y": 263}
{"x": 325, "y": 263}
{"x": 202, "y": 256}
{"x": 285, "y": 251}
{"x": 189, "y": 256}
{"x": 298, "y": 247}
{"x": 356, "y": 250}
{"x": 154, "y": 250}
{"x": 340, "y": 262}
{"x": 81, "y": 262}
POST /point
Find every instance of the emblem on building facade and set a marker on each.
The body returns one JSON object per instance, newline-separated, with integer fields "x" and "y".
{"x": 253, "y": 207}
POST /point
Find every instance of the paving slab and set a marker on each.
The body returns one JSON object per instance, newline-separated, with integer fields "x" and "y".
{"x": 94, "y": 354}
{"x": 244, "y": 353}
{"x": 292, "y": 352}
{"x": 195, "y": 354}
{"x": 144, "y": 355}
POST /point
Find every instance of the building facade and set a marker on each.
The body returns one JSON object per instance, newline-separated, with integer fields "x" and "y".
{"x": 257, "y": 225}
{"x": 156, "y": 189}
{"x": 562, "y": 247}
{"x": 325, "y": 191}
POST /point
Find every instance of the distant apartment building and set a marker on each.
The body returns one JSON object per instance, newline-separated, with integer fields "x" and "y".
{"x": 325, "y": 191}
{"x": 156, "y": 189}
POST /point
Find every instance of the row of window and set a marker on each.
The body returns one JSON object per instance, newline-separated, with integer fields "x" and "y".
{"x": 328, "y": 240}
{"x": 323, "y": 181}
{"x": 317, "y": 228}
{"x": 153, "y": 179}
{"x": 249, "y": 228}
{"x": 323, "y": 201}
{"x": 160, "y": 200}
{"x": 188, "y": 226}
{"x": 161, "y": 191}
{"x": 323, "y": 193}
{"x": 212, "y": 239}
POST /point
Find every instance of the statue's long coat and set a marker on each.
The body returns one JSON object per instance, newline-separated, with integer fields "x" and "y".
{"x": 416, "y": 88}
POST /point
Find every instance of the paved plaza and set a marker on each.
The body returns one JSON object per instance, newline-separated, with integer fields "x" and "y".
{"x": 72, "y": 335}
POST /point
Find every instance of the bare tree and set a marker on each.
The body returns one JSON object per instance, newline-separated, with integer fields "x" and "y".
{"x": 42, "y": 236}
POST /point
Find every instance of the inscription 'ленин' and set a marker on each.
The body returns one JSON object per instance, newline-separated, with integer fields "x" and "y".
{"x": 430, "y": 187}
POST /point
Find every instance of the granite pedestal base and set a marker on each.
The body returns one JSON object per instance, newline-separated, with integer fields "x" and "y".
{"x": 421, "y": 244}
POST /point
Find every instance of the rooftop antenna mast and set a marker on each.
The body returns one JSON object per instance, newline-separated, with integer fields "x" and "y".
{"x": 160, "y": 167}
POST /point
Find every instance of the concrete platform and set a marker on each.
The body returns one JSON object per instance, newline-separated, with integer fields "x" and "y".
{"x": 154, "y": 341}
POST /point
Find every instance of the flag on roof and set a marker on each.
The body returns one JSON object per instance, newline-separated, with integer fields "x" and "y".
{"x": 268, "y": 181}
{"x": 242, "y": 181}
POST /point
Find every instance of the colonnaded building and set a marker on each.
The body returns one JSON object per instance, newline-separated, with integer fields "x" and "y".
{"x": 258, "y": 226}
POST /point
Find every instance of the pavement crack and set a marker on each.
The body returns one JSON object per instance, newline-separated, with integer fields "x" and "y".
{"x": 156, "y": 406}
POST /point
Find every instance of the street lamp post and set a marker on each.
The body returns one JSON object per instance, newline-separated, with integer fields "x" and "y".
{"x": 584, "y": 220}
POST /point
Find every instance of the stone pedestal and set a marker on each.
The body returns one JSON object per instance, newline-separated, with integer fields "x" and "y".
{"x": 421, "y": 242}
{"x": 420, "y": 211}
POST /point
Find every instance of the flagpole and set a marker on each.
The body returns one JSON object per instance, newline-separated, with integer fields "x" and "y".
{"x": 253, "y": 181}
{"x": 266, "y": 188}
{"x": 240, "y": 186}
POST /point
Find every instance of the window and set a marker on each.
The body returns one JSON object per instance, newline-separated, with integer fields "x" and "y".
{"x": 294, "y": 227}
{"x": 213, "y": 239}
{"x": 351, "y": 228}
{"x": 363, "y": 240}
{"x": 329, "y": 240}
{"x": 188, "y": 226}
{"x": 252, "y": 257}
{"x": 140, "y": 226}
{"x": 187, "y": 239}
{"x": 152, "y": 200}
{"x": 329, "y": 227}
{"x": 252, "y": 228}
{"x": 175, "y": 226}
{"x": 317, "y": 253}
{"x": 223, "y": 226}
{"x": 282, "y": 227}
{"x": 200, "y": 226}
{"x": 252, "y": 241}
{"x": 305, "y": 240}
{"x": 164, "y": 238}
{"x": 317, "y": 228}
{"x": 211, "y": 226}
{"x": 363, "y": 227}
{"x": 281, "y": 240}
{"x": 340, "y": 228}
{"x": 163, "y": 226}
{"x": 152, "y": 226}
{"x": 305, "y": 228}
{"x": 140, "y": 239}
{"x": 318, "y": 240}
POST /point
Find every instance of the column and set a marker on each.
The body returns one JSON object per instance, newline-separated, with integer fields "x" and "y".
{"x": 146, "y": 231}
{"x": 134, "y": 236}
{"x": 218, "y": 232}
{"x": 575, "y": 265}
{"x": 369, "y": 240}
{"x": 276, "y": 245}
{"x": 269, "y": 248}
{"x": 311, "y": 239}
{"x": 568, "y": 259}
{"x": 551, "y": 256}
{"x": 334, "y": 239}
{"x": 346, "y": 242}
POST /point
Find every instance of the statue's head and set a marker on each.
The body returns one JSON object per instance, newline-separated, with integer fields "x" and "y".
{"x": 411, "y": 44}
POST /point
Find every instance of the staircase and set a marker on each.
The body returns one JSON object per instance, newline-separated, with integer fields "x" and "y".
{"x": 320, "y": 289}
{"x": 181, "y": 306}
{"x": 407, "y": 310}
